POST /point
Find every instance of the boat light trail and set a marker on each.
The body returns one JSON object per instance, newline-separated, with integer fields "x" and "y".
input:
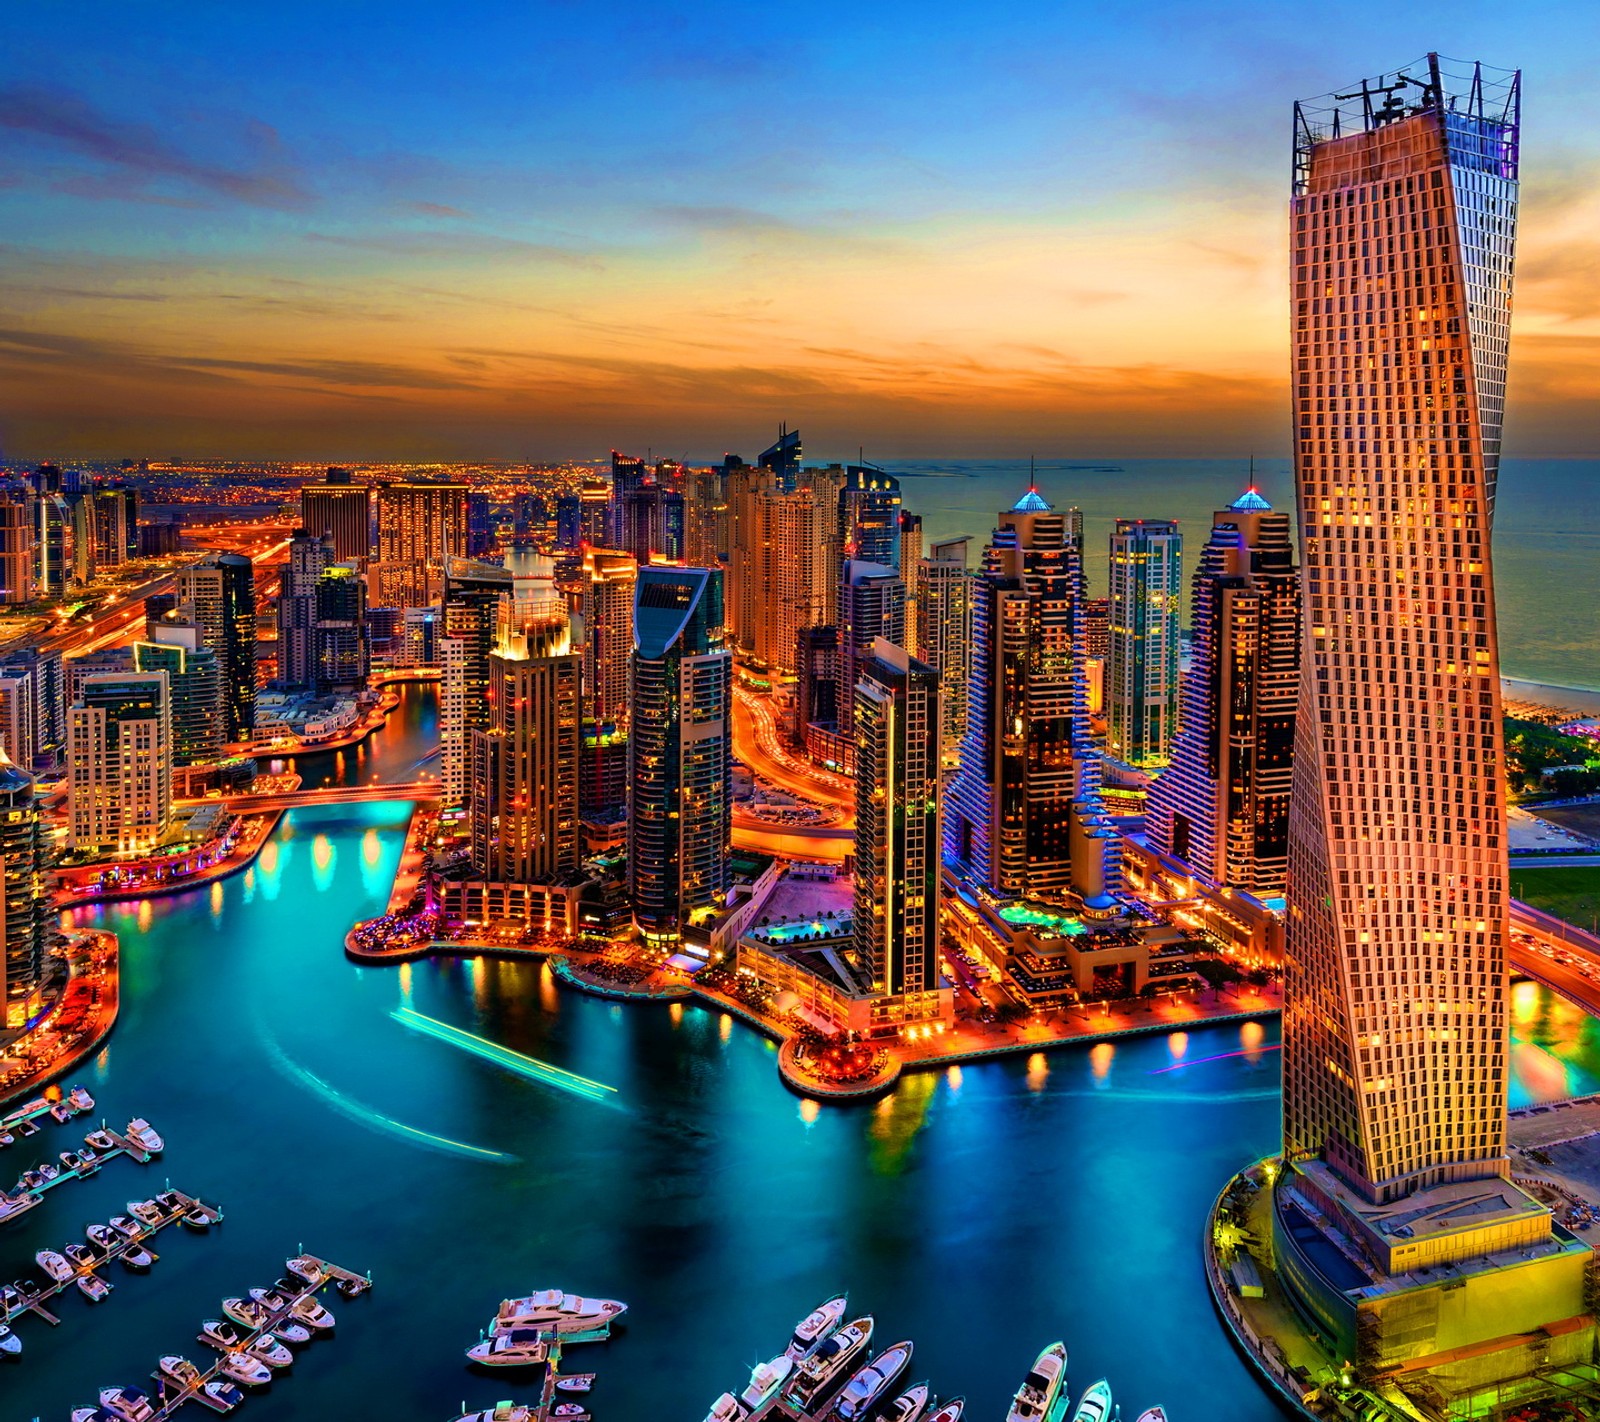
{"x": 1220, "y": 1057}
{"x": 489, "y": 1051}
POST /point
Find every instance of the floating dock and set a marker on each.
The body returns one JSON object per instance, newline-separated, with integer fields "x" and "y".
{"x": 18, "y": 1300}
{"x": 16, "y": 1202}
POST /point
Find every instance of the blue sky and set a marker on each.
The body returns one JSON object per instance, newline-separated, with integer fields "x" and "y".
{"x": 537, "y": 230}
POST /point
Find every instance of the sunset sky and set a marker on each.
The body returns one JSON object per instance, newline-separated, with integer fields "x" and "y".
{"x": 351, "y": 231}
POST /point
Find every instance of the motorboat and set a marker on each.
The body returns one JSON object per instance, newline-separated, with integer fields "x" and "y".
{"x": 291, "y": 1332}
{"x": 100, "y": 1140}
{"x": 306, "y": 1269}
{"x": 218, "y": 1334}
{"x": 765, "y": 1379}
{"x": 270, "y": 1351}
{"x": 90, "y": 1158}
{"x": 48, "y": 1172}
{"x": 500, "y": 1412}
{"x": 828, "y": 1360}
{"x": 950, "y": 1411}
{"x": 243, "y": 1368}
{"x": 92, "y": 1414}
{"x": 273, "y": 1299}
{"x": 570, "y": 1412}
{"x": 909, "y": 1406}
{"x": 1041, "y": 1389}
{"x": 309, "y": 1312}
{"x": 223, "y": 1394}
{"x": 81, "y": 1255}
{"x": 196, "y": 1219}
{"x": 13, "y": 1205}
{"x": 575, "y": 1382}
{"x": 54, "y": 1265}
{"x": 6, "y": 1138}
{"x": 816, "y": 1326}
{"x": 147, "y": 1212}
{"x": 871, "y": 1383}
{"x": 1153, "y": 1414}
{"x": 1095, "y": 1404}
{"x": 247, "y": 1313}
{"x": 179, "y": 1370}
{"x": 517, "y": 1349}
{"x": 27, "y": 1128}
{"x": 10, "y": 1344}
{"x": 726, "y": 1408}
{"x": 556, "y": 1312}
{"x": 61, "y": 1111}
{"x": 80, "y": 1100}
{"x": 10, "y": 1299}
{"x": 137, "y": 1258}
{"x": 352, "y": 1288}
{"x": 70, "y": 1161}
{"x": 144, "y": 1135}
{"x": 130, "y": 1403}
{"x": 103, "y": 1237}
{"x": 93, "y": 1287}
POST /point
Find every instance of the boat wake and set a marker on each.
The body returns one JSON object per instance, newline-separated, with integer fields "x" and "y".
{"x": 529, "y": 1067}
{"x": 374, "y": 1120}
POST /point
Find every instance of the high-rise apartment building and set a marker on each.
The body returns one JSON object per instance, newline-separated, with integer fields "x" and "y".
{"x": 897, "y": 875}
{"x": 17, "y": 551}
{"x": 1022, "y": 813}
{"x": 309, "y": 555}
{"x": 119, "y": 762}
{"x": 39, "y": 674}
{"x": 473, "y": 597}
{"x": 944, "y": 635}
{"x": 793, "y": 577}
{"x": 607, "y": 585}
{"x": 705, "y": 517}
{"x": 194, "y": 689}
{"x": 1141, "y": 687}
{"x": 1398, "y": 1227}
{"x": 869, "y": 516}
{"x": 681, "y": 747}
{"x": 523, "y": 804}
{"x": 1222, "y": 804}
{"x": 341, "y": 510}
{"x": 872, "y": 604}
{"x": 421, "y": 525}
{"x": 220, "y": 592}
{"x": 24, "y": 893}
{"x": 343, "y": 639}
{"x": 911, "y": 574}
{"x": 782, "y": 457}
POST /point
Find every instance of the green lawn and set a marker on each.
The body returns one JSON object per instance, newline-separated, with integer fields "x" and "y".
{"x": 1569, "y": 893}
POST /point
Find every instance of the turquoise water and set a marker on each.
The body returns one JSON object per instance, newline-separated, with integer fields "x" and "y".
{"x": 981, "y": 1212}
{"x": 1547, "y": 532}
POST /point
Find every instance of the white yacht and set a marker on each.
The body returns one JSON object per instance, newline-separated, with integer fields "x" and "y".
{"x": 13, "y": 1205}
{"x": 270, "y": 1351}
{"x": 55, "y": 1265}
{"x": 816, "y": 1326}
{"x": 224, "y": 1337}
{"x": 872, "y": 1383}
{"x": 93, "y": 1287}
{"x": 137, "y": 1258}
{"x": 242, "y": 1368}
{"x": 130, "y": 1403}
{"x": 517, "y": 1349}
{"x": 10, "y": 1344}
{"x": 306, "y": 1269}
{"x": 500, "y": 1412}
{"x": 126, "y": 1226}
{"x": 223, "y": 1394}
{"x": 247, "y": 1313}
{"x": 147, "y": 1212}
{"x": 80, "y": 1100}
{"x": 950, "y": 1411}
{"x": 1153, "y": 1414}
{"x": 827, "y": 1361}
{"x": 558, "y": 1312}
{"x": 1095, "y": 1404}
{"x": 1036, "y": 1398}
{"x": 309, "y": 1312}
{"x": 766, "y": 1379}
{"x": 143, "y": 1135}
{"x": 179, "y": 1370}
{"x": 726, "y": 1408}
{"x": 909, "y": 1406}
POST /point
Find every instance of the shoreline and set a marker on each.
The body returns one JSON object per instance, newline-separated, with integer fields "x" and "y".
{"x": 1578, "y": 698}
{"x": 85, "y": 1049}
{"x": 222, "y": 869}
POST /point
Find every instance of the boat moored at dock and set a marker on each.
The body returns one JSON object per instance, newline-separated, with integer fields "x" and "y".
{"x": 872, "y": 1383}
{"x": 950, "y": 1411}
{"x": 765, "y": 1380}
{"x": 520, "y": 1348}
{"x": 827, "y": 1364}
{"x": 553, "y": 1311}
{"x": 500, "y": 1412}
{"x": 817, "y": 1325}
{"x": 1095, "y": 1404}
{"x": 909, "y": 1406}
{"x": 1040, "y": 1391}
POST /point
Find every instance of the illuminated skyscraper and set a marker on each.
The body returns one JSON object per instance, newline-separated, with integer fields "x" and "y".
{"x": 523, "y": 804}
{"x": 470, "y": 617}
{"x": 681, "y": 748}
{"x": 606, "y": 595}
{"x": 25, "y": 858}
{"x": 220, "y": 593}
{"x": 1022, "y": 813}
{"x": 1142, "y": 677}
{"x": 195, "y": 693}
{"x": 17, "y": 552}
{"x": 342, "y": 510}
{"x": 944, "y": 635}
{"x": 421, "y": 524}
{"x": 343, "y": 645}
{"x": 309, "y": 554}
{"x": 1222, "y": 805}
{"x": 792, "y": 573}
{"x": 119, "y": 762}
{"x": 783, "y": 457}
{"x": 897, "y": 879}
{"x": 911, "y": 575}
{"x": 1402, "y": 225}
{"x": 869, "y": 516}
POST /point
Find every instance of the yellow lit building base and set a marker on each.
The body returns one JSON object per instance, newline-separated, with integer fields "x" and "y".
{"x": 1248, "y": 928}
{"x": 1490, "y": 1303}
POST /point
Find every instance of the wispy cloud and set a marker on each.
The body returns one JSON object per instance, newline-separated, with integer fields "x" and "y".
{"x": 141, "y": 156}
{"x": 456, "y": 244}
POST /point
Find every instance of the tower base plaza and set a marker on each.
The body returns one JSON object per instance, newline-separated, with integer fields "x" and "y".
{"x": 1463, "y": 1301}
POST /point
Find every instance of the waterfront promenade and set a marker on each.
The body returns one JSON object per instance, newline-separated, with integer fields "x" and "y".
{"x": 76, "y": 1024}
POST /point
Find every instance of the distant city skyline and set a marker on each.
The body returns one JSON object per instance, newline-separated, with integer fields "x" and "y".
{"x": 390, "y": 236}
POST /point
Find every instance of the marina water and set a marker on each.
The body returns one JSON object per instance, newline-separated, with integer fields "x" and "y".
{"x": 980, "y": 1211}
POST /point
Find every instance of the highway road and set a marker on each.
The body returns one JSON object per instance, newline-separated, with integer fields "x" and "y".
{"x": 756, "y": 741}
{"x": 1554, "y": 861}
{"x": 325, "y": 795}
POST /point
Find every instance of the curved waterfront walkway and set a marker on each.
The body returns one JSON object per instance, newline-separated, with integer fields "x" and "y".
{"x": 263, "y": 823}
{"x": 95, "y": 1033}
